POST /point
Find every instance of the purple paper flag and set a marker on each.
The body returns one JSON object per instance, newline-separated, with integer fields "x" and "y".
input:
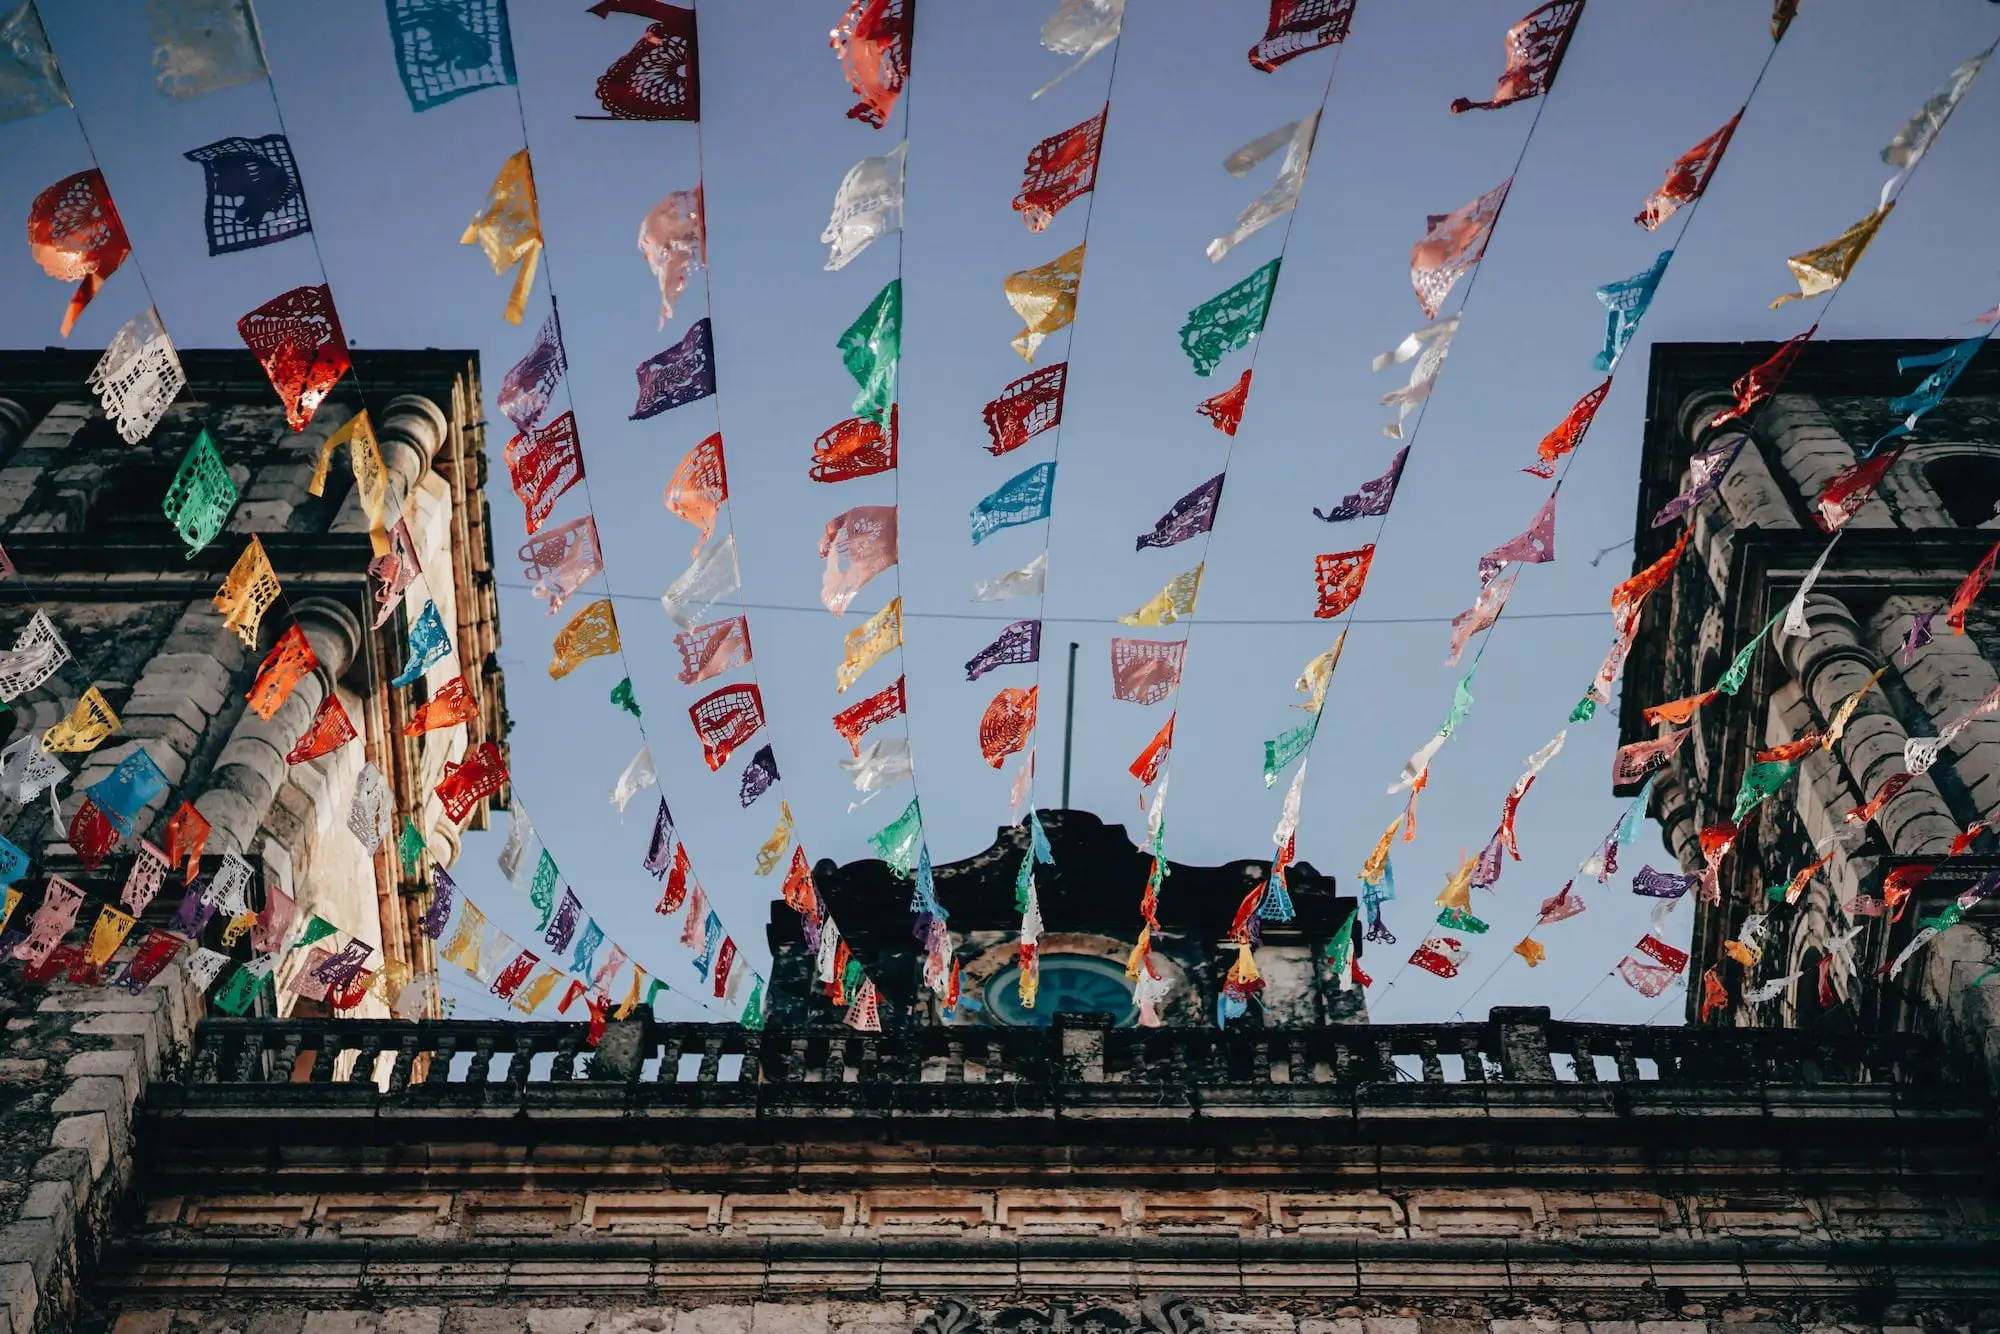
{"x": 1018, "y": 643}
{"x": 1661, "y": 884}
{"x": 1192, "y": 514}
{"x": 443, "y": 890}
{"x": 526, "y": 389}
{"x": 758, "y": 775}
{"x": 682, "y": 374}
{"x": 564, "y": 926}
{"x": 660, "y": 851}
{"x": 338, "y": 971}
{"x": 1705, "y": 473}
{"x": 1919, "y": 633}
{"x": 1373, "y": 499}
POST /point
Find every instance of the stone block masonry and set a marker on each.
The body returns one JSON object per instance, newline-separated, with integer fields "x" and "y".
{"x": 74, "y": 1066}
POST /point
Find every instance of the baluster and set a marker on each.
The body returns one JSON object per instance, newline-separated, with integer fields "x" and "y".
{"x": 441, "y": 1058}
{"x": 753, "y": 1047}
{"x": 1298, "y": 1065}
{"x": 286, "y": 1058}
{"x": 1385, "y": 1061}
{"x": 1623, "y": 1058}
{"x": 1586, "y": 1063}
{"x": 670, "y": 1055}
{"x": 711, "y": 1059}
{"x": 518, "y": 1069}
{"x": 207, "y": 1058}
{"x": 834, "y": 1071}
{"x": 993, "y": 1069}
{"x": 563, "y": 1068}
{"x": 1475, "y": 1064}
{"x": 795, "y": 1061}
{"x": 364, "y": 1064}
{"x": 1137, "y": 1072}
{"x": 1260, "y": 1060}
{"x": 1433, "y": 1067}
{"x": 481, "y": 1069}
{"x": 250, "y": 1057}
{"x": 406, "y": 1060}
{"x": 329, "y": 1044}
{"x": 954, "y": 1061}
{"x": 870, "y": 1068}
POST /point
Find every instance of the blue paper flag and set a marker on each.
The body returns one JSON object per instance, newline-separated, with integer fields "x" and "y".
{"x": 1950, "y": 362}
{"x": 1024, "y": 499}
{"x": 429, "y": 643}
{"x": 124, "y": 792}
{"x": 585, "y": 956}
{"x": 448, "y": 48}
{"x": 1625, "y": 305}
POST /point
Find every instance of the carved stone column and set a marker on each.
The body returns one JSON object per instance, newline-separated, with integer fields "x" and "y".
{"x": 1830, "y": 662}
{"x": 14, "y": 423}
{"x": 251, "y": 767}
{"x": 411, "y": 432}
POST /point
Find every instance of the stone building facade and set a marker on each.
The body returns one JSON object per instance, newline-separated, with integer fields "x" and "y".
{"x": 1902, "y": 555}
{"x": 1089, "y": 900}
{"x": 81, "y": 520}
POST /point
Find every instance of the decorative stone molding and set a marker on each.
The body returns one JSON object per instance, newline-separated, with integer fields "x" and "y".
{"x": 1156, "y": 1315}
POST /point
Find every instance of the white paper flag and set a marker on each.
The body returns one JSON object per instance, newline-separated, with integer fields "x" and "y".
{"x": 1433, "y": 341}
{"x": 711, "y": 577}
{"x": 1283, "y": 196}
{"x": 637, "y": 777}
{"x": 1024, "y": 582}
{"x": 1081, "y": 28}
{"x": 867, "y": 207}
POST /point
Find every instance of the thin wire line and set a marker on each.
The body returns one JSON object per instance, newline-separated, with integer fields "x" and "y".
{"x": 1108, "y": 620}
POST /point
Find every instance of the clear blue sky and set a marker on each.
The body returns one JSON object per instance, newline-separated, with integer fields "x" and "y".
{"x": 1645, "y": 79}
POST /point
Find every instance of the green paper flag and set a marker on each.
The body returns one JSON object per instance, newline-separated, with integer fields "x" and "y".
{"x": 201, "y": 496}
{"x": 850, "y": 981}
{"x": 1219, "y": 326}
{"x": 897, "y": 843}
{"x": 240, "y": 992}
{"x": 1461, "y": 919}
{"x": 621, "y": 695}
{"x": 317, "y": 929}
{"x": 542, "y": 893}
{"x": 410, "y": 846}
{"x": 1585, "y": 710}
{"x": 1340, "y": 950}
{"x": 1286, "y": 747}
{"x": 753, "y": 1008}
{"x": 1944, "y": 921}
{"x": 1739, "y": 670}
{"x": 871, "y": 347}
{"x": 1762, "y": 780}
{"x": 1024, "y": 884}
{"x": 653, "y": 991}
{"x": 1461, "y": 704}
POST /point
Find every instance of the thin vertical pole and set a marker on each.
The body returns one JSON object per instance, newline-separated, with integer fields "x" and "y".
{"x": 1069, "y": 723}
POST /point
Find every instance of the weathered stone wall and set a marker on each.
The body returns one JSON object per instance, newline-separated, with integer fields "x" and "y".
{"x": 80, "y": 512}
{"x": 1902, "y": 554}
{"x": 74, "y": 1067}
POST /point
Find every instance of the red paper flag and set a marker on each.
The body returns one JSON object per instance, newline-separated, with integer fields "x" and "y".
{"x": 660, "y": 77}
{"x": 1688, "y": 177}
{"x": 854, "y": 448}
{"x": 873, "y": 43}
{"x": 1569, "y": 432}
{"x": 1679, "y": 711}
{"x": 92, "y": 836}
{"x": 1851, "y": 488}
{"x": 542, "y": 464}
{"x": 479, "y": 775}
{"x": 699, "y": 486}
{"x": 329, "y": 730}
{"x": 1299, "y": 26}
{"x": 1147, "y": 767}
{"x": 1762, "y": 381}
{"x": 289, "y": 660}
{"x": 1225, "y": 410}
{"x": 678, "y": 880}
{"x": 298, "y": 341}
{"x": 1340, "y": 576}
{"x": 1061, "y": 168}
{"x": 1026, "y": 408}
{"x": 1535, "y": 48}
{"x": 1006, "y": 724}
{"x": 1969, "y": 591}
{"x": 1792, "y": 750}
{"x": 75, "y": 234}
{"x": 880, "y": 707}
{"x": 800, "y": 896}
{"x": 1714, "y": 996}
{"x": 1146, "y": 671}
{"x": 725, "y": 720}
{"x": 453, "y": 704}
{"x": 187, "y": 836}
{"x": 1891, "y": 788}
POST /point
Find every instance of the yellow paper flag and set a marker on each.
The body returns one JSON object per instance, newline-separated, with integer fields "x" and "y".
{"x": 1826, "y": 267}
{"x": 509, "y": 228}
{"x": 1170, "y": 603}
{"x": 248, "y": 592}
{"x": 591, "y": 633}
{"x": 772, "y": 854}
{"x": 86, "y": 728}
{"x": 1045, "y": 299}
{"x": 869, "y": 641}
